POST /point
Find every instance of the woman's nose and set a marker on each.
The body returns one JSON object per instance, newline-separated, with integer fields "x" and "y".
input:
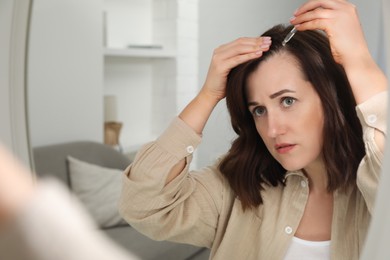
{"x": 275, "y": 126}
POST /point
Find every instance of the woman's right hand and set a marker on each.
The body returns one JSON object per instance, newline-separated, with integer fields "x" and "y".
{"x": 228, "y": 56}
{"x": 225, "y": 58}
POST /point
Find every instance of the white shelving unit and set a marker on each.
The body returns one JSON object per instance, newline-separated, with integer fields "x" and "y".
{"x": 139, "y": 53}
{"x": 151, "y": 84}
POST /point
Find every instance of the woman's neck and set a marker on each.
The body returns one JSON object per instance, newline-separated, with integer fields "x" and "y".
{"x": 318, "y": 178}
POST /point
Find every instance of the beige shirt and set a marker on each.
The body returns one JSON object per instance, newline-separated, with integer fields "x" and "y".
{"x": 200, "y": 208}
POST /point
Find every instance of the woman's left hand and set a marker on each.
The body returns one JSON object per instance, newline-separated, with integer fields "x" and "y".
{"x": 339, "y": 19}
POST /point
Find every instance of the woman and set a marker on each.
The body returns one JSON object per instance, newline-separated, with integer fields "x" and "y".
{"x": 301, "y": 177}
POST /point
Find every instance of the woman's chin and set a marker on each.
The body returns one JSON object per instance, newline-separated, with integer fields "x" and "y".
{"x": 291, "y": 167}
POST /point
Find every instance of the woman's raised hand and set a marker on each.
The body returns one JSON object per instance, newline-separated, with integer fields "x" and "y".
{"x": 228, "y": 56}
{"x": 339, "y": 19}
{"x": 225, "y": 58}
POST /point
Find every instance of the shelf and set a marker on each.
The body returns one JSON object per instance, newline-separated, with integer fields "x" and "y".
{"x": 139, "y": 53}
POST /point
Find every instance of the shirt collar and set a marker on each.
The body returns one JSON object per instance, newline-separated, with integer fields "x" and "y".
{"x": 296, "y": 173}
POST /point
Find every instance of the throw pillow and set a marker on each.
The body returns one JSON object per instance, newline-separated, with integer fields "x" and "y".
{"x": 99, "y": 189}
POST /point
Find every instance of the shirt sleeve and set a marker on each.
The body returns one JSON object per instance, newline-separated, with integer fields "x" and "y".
{"x": 372, "y": 115}
{"x": 187, "y": 208}
{"x": 54, "y": 225}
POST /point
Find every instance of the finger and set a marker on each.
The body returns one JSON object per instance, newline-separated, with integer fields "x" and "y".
{"x": 243, "y": 40}
{"x": 316, "y": 14}
{"x": 241, "y": 48}
{"x": 314, "y": 4}
{"x": 254, "y": 42}
{"x": 239, "y": 59}
{"x": 317, "y": 24}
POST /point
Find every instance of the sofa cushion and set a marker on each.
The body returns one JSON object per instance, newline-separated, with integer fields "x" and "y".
{"x": 99, "y": 189}
{"x": 50, "y": 160}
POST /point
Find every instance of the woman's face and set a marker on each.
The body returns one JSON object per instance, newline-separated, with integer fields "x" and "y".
{"x": 287, "y": 112}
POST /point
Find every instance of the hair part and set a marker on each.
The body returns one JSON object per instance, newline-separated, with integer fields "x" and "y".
{"x": 248, "y": 166}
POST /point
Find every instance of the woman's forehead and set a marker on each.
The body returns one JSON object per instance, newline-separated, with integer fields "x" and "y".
{"x": 278, "y": 71}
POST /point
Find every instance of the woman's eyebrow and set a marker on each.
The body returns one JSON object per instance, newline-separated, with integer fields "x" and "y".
{"x": 276, "y": 94}
{"x": 281, "y": 92}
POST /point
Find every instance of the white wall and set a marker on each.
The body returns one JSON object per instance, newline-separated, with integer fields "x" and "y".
{"x": 222, "y": 21}
{"x": 377, "y": 246}
{"x": 128, "y": 22}
{"x": 65, "y": 67}
{"x": 371, "y": 20}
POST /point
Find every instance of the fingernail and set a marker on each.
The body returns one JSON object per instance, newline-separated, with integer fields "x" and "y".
{"x": 292, "y": 18}
{"x": 296, "y": 11}
{"x": 265, "y": 45}
{"x": 258, "y": 52}
{"x": 266, "y": 40}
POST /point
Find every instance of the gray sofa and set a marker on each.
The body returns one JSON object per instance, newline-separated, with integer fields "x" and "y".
{"x": 52, "y": 161}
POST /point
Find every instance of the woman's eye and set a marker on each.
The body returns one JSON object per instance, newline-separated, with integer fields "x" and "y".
{"x": 288, "y": 101}
{"x": 258, "y": 111}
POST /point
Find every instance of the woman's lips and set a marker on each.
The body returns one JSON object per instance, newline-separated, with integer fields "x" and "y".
{"x": 284, "y": 148}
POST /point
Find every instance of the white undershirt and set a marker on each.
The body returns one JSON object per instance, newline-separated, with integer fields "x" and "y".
{"x": 304, "y": 250}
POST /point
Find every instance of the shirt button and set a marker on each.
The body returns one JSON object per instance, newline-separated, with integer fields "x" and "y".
{"x": 288, "y": 230}
{"x": 371, "y": 119}
{"x": 190, "y": 149}
{"x": 303, "y": 184}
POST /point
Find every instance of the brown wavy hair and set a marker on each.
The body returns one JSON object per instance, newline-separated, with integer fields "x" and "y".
{"x": 248, "y": 165}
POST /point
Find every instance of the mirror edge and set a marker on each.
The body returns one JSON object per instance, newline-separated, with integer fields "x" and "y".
{"x": 17, "y": 80}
